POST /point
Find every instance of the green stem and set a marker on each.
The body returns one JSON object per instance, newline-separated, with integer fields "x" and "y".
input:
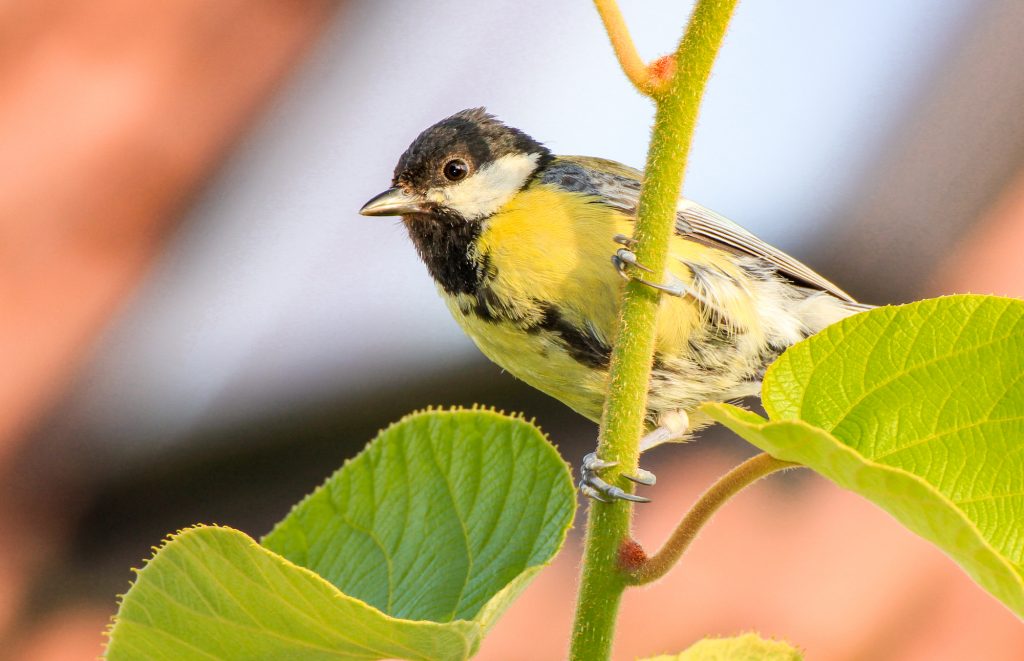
{"x": 726, "y": 487}
{"x": 608, "y": 525}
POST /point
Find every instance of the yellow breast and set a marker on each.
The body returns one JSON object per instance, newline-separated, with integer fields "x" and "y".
{"x": 549, "y": 246}
{"x": 553, "y": 246}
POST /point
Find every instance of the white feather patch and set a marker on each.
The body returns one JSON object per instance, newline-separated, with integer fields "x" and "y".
{"x": 489, "y": 188}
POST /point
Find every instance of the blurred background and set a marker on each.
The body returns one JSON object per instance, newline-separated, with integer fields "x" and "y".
{"x": 196, "y": 325}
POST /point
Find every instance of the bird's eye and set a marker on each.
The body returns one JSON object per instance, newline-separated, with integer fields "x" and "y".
{"x": 455, "y": 169}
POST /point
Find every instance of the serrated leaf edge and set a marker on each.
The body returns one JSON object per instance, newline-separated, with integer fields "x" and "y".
{"x": 458, "y": 626}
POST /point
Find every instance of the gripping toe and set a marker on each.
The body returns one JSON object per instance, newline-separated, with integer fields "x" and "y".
{"x": 592, "y": 486}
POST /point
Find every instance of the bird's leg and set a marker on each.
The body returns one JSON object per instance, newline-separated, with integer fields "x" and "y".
{"x": 624, "y": 256}
{"x": 672, "y": 426}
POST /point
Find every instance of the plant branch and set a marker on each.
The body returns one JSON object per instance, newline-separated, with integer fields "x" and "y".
{"x": 622, "y": 43}
{"x": 608, "y": 525}
{"x": 726, "y": 487}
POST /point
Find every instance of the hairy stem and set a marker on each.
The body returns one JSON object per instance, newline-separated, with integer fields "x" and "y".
{"x": 618, "y": 33}
{"x": 726, "y": 487}
{"x": 602, "y": 582}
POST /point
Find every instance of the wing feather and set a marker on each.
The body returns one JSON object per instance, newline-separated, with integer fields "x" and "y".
{"x": 694, "y": 220}
{"x": 619, "y": 187}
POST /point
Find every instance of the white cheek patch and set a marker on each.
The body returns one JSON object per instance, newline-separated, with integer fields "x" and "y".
{"x": 488, "y": 189}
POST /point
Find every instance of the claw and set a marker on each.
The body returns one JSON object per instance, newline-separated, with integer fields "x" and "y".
{"x": 622, "y": 257}
{"x": 594, "y": 487}
{"x": 627, "y": 241}
{"x": 646, "y": 478}
{"x": 591, "y": 492}
{"x": 620, "y": 268}
{"x": 614, "y": 492}
{"x": 592, "y": 463}
{"x": 674, "y": 287}
{"x": 629, "y": 257}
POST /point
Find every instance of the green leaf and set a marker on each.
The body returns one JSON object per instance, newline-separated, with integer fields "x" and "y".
{"x": 748, "y": 647}
{"x": 425, "y": 526}
{"x": 411, "y": 550}
{"x": 214, "y": 593}
{"x": 919, "y": 408}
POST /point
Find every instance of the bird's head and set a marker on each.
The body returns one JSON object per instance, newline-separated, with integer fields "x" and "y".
{"x": 465, "y": 167}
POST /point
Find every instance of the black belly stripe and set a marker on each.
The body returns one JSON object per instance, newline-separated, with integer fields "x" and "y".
{"x": 583, "y": 346}
{"x": 580, "y": 343}
{"x": 489, "y": 305}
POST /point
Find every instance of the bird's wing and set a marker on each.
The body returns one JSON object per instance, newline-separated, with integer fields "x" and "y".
{"x": 694, "y": 220}
{"x": 619, "y": 187}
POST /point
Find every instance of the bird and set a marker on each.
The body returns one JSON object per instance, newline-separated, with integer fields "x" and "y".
{"x": 530, "y": 251}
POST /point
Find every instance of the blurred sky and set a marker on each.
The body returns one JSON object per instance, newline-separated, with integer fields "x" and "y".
{"x": 274, "y": 290}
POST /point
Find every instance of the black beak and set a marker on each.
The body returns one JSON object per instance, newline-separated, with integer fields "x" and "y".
{"x": 394, "y": 202}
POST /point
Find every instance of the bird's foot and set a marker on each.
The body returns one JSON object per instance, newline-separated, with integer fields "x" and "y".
{"x": 594, "y": 487}
{"x": 624, "y": 257}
